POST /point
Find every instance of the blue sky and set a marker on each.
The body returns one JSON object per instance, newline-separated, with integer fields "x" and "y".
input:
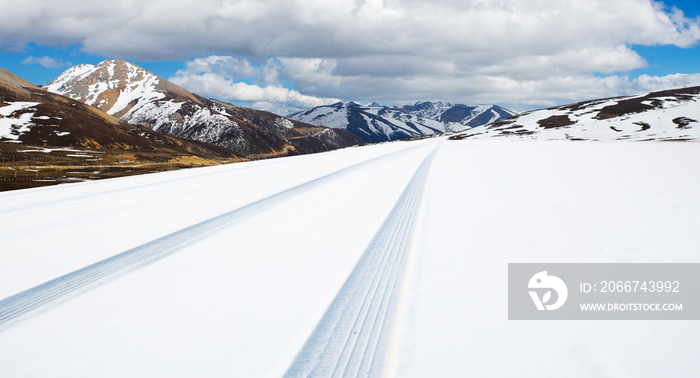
{"x": 662, "y": 60}
{"x": 669, "y": 59}
{"x": 14, "y": 61}
{"x": 270, "y": 58}
{"x": 665, "y": 60}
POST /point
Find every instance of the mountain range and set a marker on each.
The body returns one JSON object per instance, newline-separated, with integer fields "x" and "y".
{"x": 665, "y": 115}
{"x": 377, "y": 123}
{"x": 140, "y": 97}
{"x": 116, "y": 104}
{"x": 32, "y": 116}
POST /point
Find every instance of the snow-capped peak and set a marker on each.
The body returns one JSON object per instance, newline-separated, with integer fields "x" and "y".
{"x": 113, "y": 86}
{"x": 70, "y": 74}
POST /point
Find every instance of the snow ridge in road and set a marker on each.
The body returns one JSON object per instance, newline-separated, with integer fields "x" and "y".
{"x": 59, "y": 288}
{"x": 354, "y": 337}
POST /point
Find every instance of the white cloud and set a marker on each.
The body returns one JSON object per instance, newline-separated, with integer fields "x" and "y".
{"x": 227, "y": 65}
{"x": 215, "y": 76}
{"x": 46, "y": 62}
{"x": 513, "y": 51}
{"x": 646, "y": 83}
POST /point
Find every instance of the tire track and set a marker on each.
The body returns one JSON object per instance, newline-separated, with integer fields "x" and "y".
{"x": 353, "y": 339}
{"x": 15, "y": 306}
{"x": 94, "y": 197}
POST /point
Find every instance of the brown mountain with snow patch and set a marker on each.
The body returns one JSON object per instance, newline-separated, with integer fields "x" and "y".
{"x": 30, "y": 115}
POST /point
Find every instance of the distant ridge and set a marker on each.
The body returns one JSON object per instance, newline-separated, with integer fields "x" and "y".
{"x": 672, "y": 114}
{"x": 377, "y": 123}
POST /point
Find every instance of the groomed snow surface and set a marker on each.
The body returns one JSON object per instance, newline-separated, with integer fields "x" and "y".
{"x": 384, "y": 260}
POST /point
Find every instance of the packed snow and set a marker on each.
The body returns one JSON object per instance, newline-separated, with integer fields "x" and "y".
{"x": 49, "y": 150}
{"x": 253, "y": 263}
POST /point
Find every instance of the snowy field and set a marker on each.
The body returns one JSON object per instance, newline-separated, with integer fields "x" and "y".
{"x": 389, "y": 259}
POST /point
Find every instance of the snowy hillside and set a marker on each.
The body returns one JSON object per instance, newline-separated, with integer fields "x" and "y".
{"x": 666, "y": 115}
{"x": 138, "y": 96}
{"x": 376, "y": 123}
{"x": 386, "y": 260}
{"x": 30, "y": 116}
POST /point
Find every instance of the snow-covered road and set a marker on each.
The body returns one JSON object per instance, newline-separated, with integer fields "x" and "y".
{"x": 385, "y": 260}
{"x": 58, "y": 288}
{"x": 357, "y": 334}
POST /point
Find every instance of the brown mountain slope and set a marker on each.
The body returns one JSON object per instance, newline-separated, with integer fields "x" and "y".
{"x": 39, "y": 129}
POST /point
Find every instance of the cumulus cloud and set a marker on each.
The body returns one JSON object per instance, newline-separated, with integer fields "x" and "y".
{"x": 517, "y": 88}
{"x": 646, "y": 83}
{"x": 519, "y": 51}
{"x": 46, "y": 62}
{"x": 215, "y": 76}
